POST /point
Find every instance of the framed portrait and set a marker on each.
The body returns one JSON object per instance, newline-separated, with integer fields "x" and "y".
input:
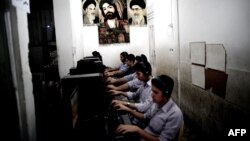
{"x": 137, "y": 12}
{"x": 113, "y": 26}
{"x": 90, "y": 10}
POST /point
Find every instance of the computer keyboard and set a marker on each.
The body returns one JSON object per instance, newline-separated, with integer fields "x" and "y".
{"x": 120, "y": 97}
{"x": 125, "y": 118}
{"x": 114, "y": 119}
{"x": 121, "y": 117}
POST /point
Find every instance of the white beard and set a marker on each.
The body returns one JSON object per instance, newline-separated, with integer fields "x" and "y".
{"x": 137, "y": 19}
{"x": 91, "y": 17}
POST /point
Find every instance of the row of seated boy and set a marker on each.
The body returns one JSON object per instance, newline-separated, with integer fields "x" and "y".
{"x": 120, "y": 79}
{"x": 117, "y": 84}
{"x": 153, "y": 114}
{"x": 153, "y": 104}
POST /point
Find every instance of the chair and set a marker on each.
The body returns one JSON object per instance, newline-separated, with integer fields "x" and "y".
{"x": 179, "y": 136}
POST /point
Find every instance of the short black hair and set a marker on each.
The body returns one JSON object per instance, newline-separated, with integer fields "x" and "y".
{"x": 87, "y": 3}
{"x": 144, "y": 58}
{"x": 164, "y": 83}
{"x": 138, "y": 58}
{"x": 131, "y": 57}
{"x": 140, "y": 3}
{"x": 124, "y": 54}
{"x": 143, "y": 67}
{"x": 97, "y": 54}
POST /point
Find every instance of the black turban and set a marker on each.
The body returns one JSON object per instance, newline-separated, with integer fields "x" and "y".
{"x": 87, "y": 3}
{"x": 140, "y": 3}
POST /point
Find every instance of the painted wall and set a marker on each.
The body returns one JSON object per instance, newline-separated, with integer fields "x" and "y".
{"x": 225, "y": 22}
{"x": 166, "y": 40}
{"x": 64, "y": 38}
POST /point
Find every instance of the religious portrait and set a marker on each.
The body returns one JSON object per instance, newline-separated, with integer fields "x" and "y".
{"x": 137, "y": 12}
{"x": 113, "y": 21}
{"x": 90, "y": 12}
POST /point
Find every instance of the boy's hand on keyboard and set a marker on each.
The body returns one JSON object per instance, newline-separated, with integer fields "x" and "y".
{"x": 111, "y": 87}
{"x": 114, "y": 92}
{"x": 111, "y": 80}
{"x": 114, "y": 102}
{"x": 121, "y": 107}
{"x": 123, "y": 129}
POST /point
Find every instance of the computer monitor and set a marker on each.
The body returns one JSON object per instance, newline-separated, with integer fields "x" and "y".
{"x": 92, "y": 99}
{"x": 88, "y": 65}
{"x": 91, "y": 58}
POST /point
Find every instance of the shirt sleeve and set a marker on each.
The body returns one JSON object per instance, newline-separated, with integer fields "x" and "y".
{"x": 149, "y": 113}
{"x": 135, "y": 84}
{"x": 134, "y": 95}
{"x": 143, "y": 106}
{"x": 123, "y": 67}
{"x": 129, "y": 77}
{"x": 130, "y": 95}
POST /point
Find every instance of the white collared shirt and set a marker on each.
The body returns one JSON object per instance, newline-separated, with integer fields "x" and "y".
{"x": 143, "y": 94}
